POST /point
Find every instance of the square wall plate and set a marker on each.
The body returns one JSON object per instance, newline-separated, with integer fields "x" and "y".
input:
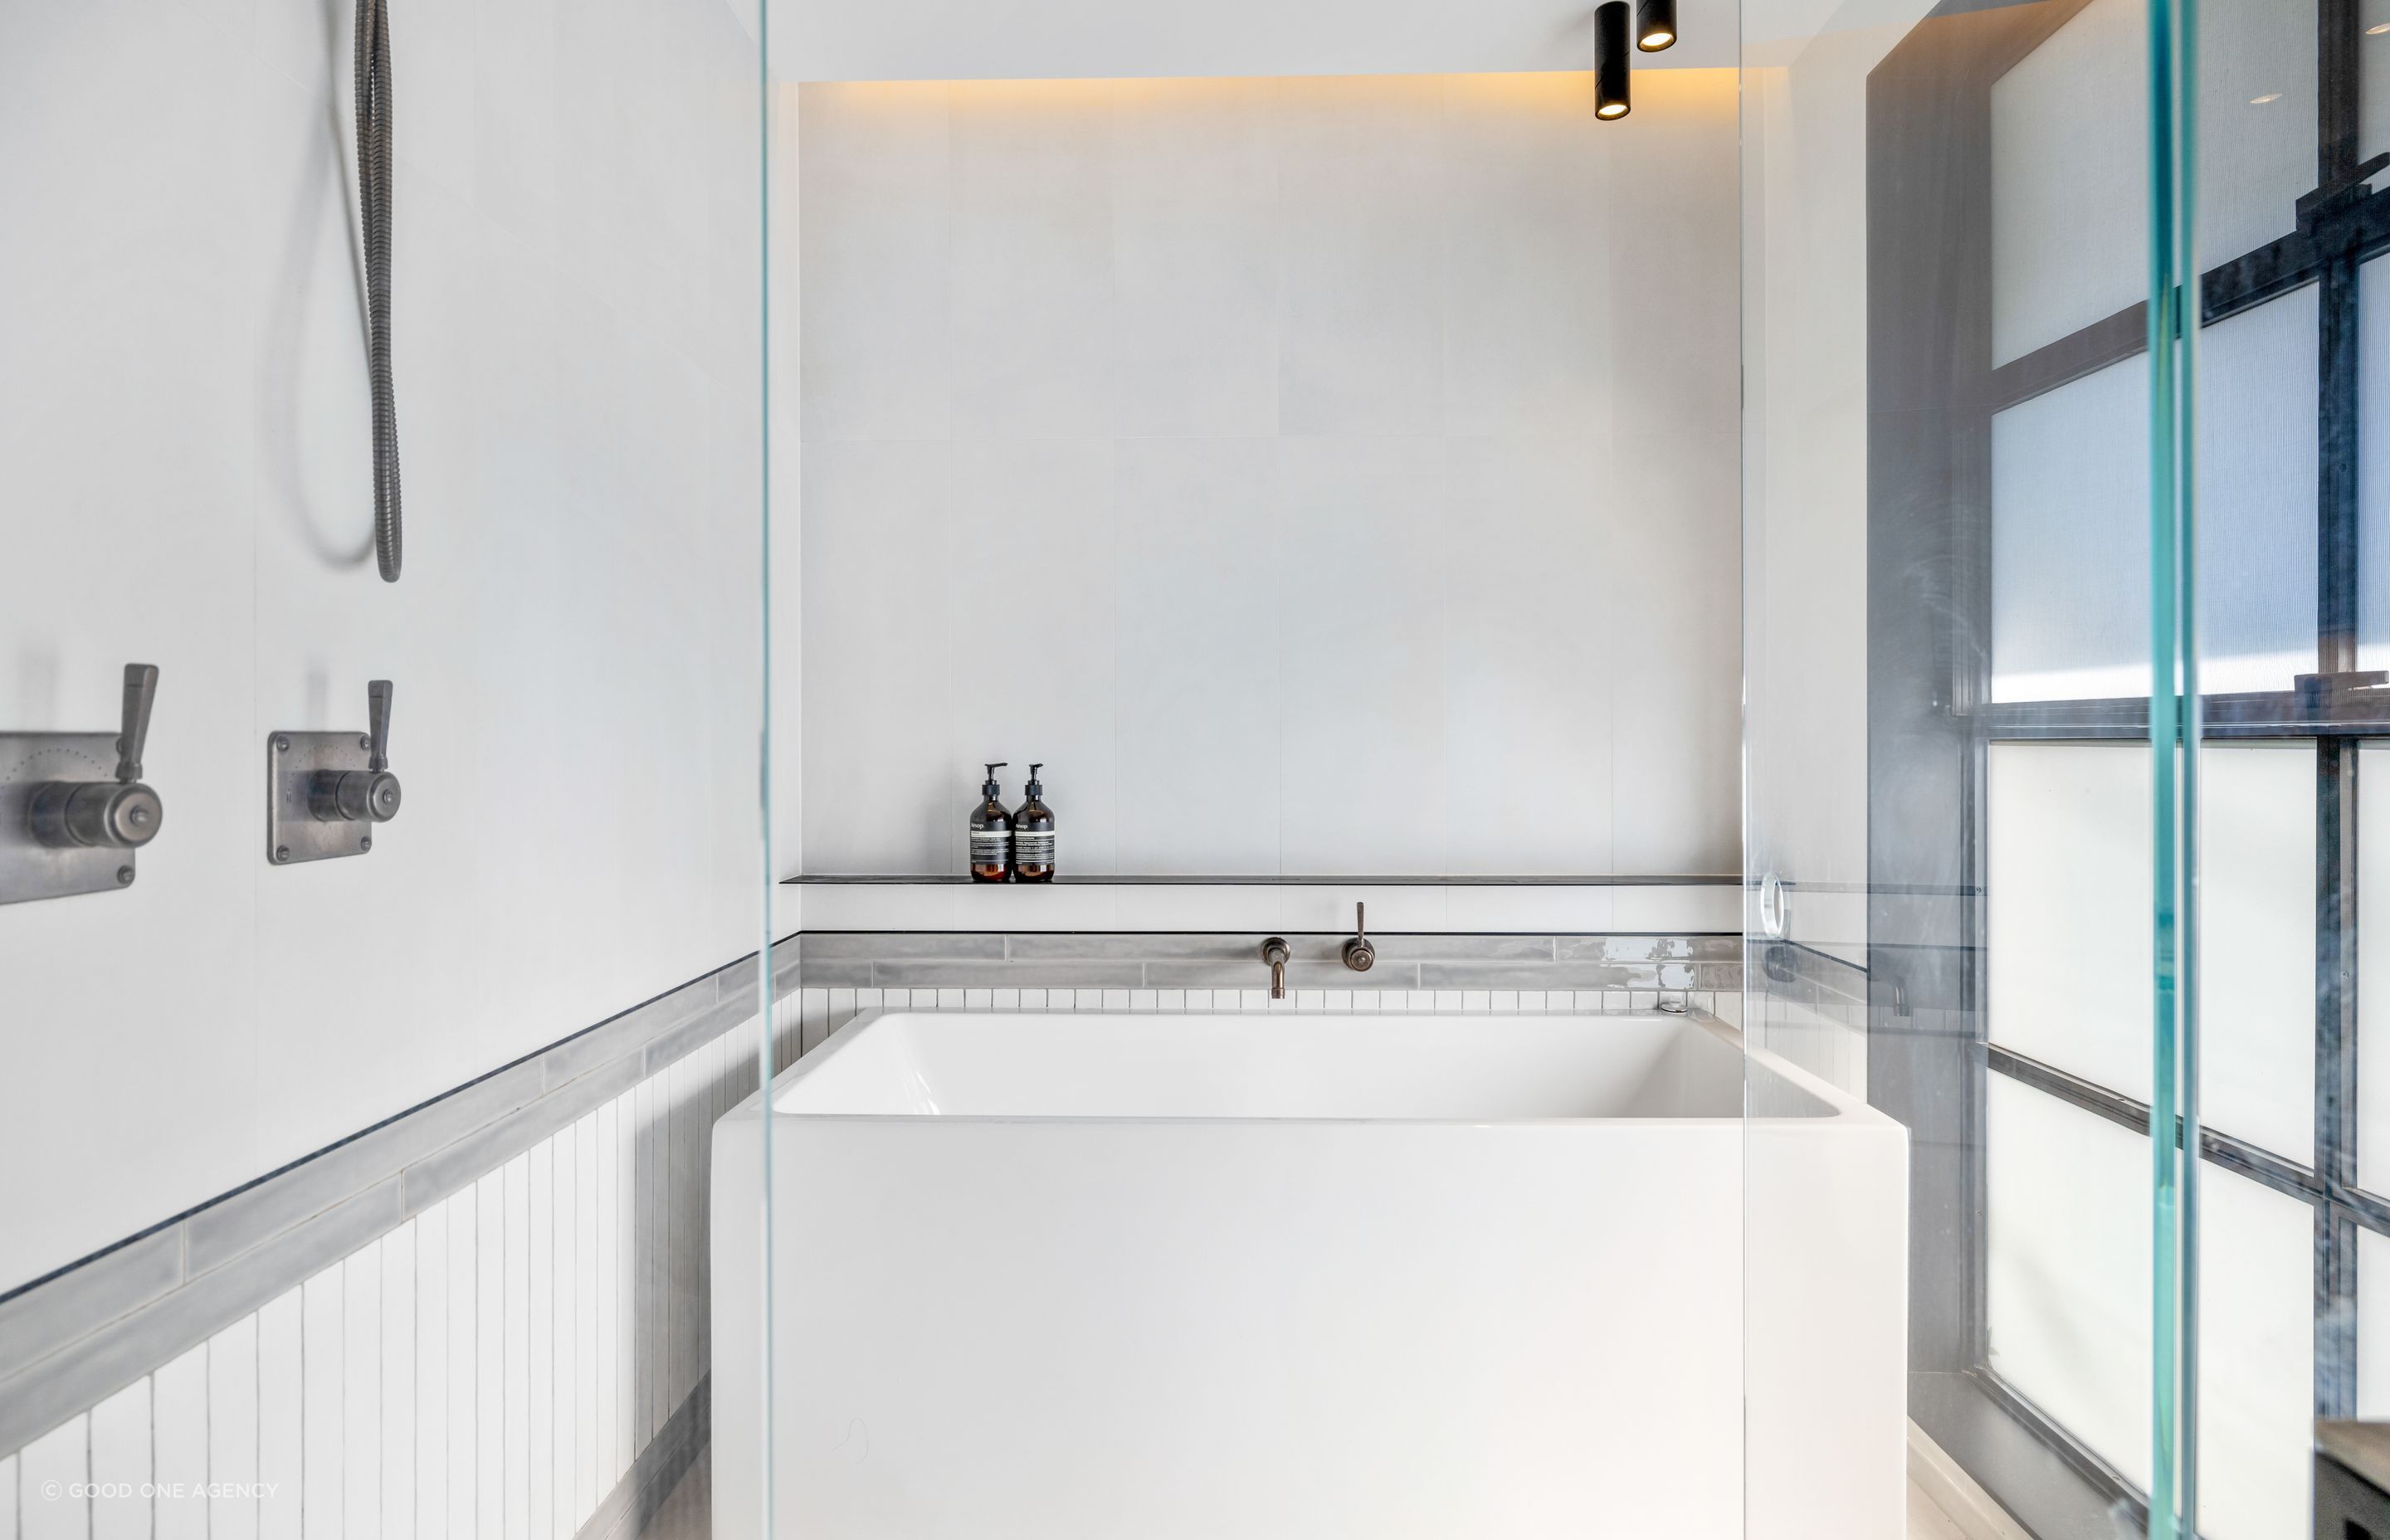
{"x": 292, "y": 833}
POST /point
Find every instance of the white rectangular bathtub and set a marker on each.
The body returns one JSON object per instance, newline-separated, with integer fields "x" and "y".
{"x": 1083, "y": 1275}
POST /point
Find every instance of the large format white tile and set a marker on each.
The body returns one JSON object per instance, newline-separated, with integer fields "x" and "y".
{"x": 1359, "y": 191}
{"x": 1531, "y": 678}
{"x": 1031, "y": 288}
{"x": 1673, "y": 589}
{"x": 1365, "y": 630}
{"x": 1675, "y": 256}
{"x": 1032, "y": 580}
{"x": 873, "y": 261}
{"x": 1202, "y": 674}
{"x": 1196, "y": 257}
{"x": 878, "y": 660}
{"x": 1527, "y": 259}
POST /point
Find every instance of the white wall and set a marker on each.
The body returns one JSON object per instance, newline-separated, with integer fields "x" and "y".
{"x": 1326, "y": 475}
{"x": 183, "y": 449}
{"x": 1806, "y": 476}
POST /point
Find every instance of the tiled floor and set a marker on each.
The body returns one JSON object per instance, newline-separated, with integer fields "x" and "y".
{"x": 688, "y": 1514}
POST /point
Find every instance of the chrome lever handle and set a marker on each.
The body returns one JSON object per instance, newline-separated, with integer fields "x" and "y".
{"x": 140, "y": 695}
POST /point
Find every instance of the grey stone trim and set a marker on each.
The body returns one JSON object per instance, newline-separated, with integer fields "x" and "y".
{"x": 624, "y": 1512}
{"x": 73, "y": 1337}
{"x": 1062, "y": 960}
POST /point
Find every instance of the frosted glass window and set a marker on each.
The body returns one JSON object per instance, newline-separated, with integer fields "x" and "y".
{"x": 2069, "y": 924}
{"x": 2373, "y": 436}
{"x": 2256, "y": 122}
{"x": 2373, "y": 973}
{"x": 2070, "y": 185}
{"x": 2373, "y": 1325}
{"x": 2068, "y": 1298}
{"x": 2070, "y": 519}
{"x": 2373, "y": 84}
{"x": 2070, "y": 193}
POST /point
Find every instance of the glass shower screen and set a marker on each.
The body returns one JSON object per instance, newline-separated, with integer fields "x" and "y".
{"x": 1978, "y": 524}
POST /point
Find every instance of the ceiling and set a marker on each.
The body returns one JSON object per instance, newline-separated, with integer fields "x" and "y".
{"x": 1099, "y": 39}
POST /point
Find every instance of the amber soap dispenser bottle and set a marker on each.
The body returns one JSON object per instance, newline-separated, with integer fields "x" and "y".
{"x": 991, "y": 833}
{"x": 1033, "y": 835}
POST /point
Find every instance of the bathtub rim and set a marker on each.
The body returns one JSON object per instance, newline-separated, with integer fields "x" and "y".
{"x": 1844, "y": 1114}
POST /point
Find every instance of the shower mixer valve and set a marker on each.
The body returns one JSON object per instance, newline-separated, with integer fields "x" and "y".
{"x": 326, "y": 792}
{"x": 72, "y": 805}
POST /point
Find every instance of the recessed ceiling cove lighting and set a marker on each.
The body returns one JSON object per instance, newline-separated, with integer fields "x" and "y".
{"x": 2377, "y": 31}
{"x": 1610, "y": 59}
{"x": 2269, "y": 97}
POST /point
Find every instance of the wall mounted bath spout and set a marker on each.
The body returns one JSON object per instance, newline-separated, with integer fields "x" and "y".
{"x": 1275, "y": 953}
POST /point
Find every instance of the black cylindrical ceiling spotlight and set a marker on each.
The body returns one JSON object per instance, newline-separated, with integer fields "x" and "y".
{"x": 1610, "y": 59}
{"x": 1655, "y": 24}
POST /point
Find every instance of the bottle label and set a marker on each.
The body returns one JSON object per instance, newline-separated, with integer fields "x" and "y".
{"x": 1033, "y": 850}
{"x": 990, "y": 847}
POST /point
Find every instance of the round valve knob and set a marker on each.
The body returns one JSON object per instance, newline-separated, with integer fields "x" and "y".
{"x": 353, "y": 796}
{"x": 109, "y": 814}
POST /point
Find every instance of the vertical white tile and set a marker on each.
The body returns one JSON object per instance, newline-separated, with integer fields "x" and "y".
{"x": 282, "y": 1416}
{"x": 233, "y": 1472}
{"x": 587, "y": 1330}
{"x": 361, "y": 1393}
{"x": 463, "y": 1326}
{"x": 489, "y": 1355}
{"x": 9, "y": 1499}
{"x": 323, "y": 1350}
{"x": 401, "y": 1428}
{"x": 606, "y": 1318}
{"x": 432, "y": 1406}
{"x": 814, "y": 1008}
{"x": 539, "y": 1347}
{"x": 564, "y": 1297}
{"x": 515, "y": 1358}
{"x": 179, "y": 1432}
{"x": 52, "y": 1464}
{"x": 121, "y": 1432}
{"x": 644, "y": 1305}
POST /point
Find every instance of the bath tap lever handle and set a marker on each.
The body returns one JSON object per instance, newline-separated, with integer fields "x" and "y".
{"x": 378, "y": 725}
{"x": 1360, "y": 955}
{"x": 140, "y": 695}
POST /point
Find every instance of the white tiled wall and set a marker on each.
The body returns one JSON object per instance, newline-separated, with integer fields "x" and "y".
{"x": 1319, "y": 475}
{"x": 491, "y": 1368}
{"x": 575, "y": 311}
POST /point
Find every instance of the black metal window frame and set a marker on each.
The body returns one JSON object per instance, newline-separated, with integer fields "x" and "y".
{"x": 1934, "y": 391}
